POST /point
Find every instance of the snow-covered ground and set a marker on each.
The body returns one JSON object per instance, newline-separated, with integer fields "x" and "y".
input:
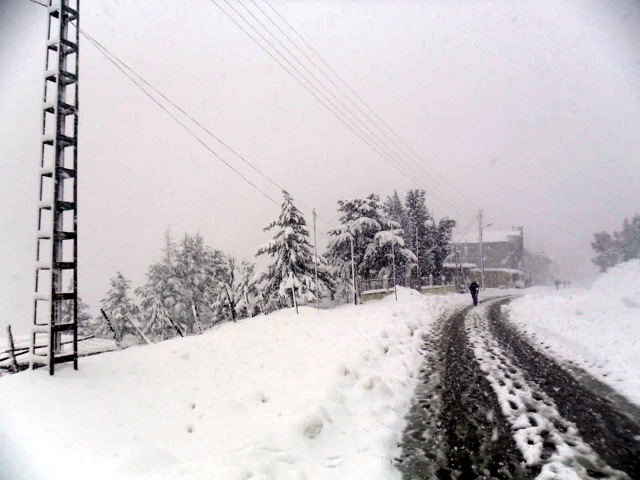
{"x": 597, "y": 329}
{"x": 320, "y": 395}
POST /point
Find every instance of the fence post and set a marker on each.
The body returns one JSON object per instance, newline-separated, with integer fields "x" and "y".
{"x": 195, "y": 315}
{"x": 116, "y": 337}
{"x": 175, "y": 325}
{"x": 12, "y": 353}
{"x": 142, "y": 335}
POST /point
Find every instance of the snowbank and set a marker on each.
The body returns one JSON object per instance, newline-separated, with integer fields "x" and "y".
{"x": 321, "y": 395}
{"x": 598, "y": 329}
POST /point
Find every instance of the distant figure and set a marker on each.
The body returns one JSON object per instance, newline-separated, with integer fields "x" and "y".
{"x": 557, "y": 282}
{"x": 474, "y": 288}
{"x": 569, "y": 283}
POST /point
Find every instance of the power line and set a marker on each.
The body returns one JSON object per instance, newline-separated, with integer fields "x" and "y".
{"x": 392, "y": 151}
{"x": 466, "y": 229}
{"x": 205, "y": 129}
{"x": 141, "y": 79}
{"x": 372, "y": 135}
{"x": 372, "y": 142}
{"x": 398, "y": 141}
{"x": 118, "y": 63}
{"x": 111, "y": 58}
{"x": 363, "y": 136}
{"x": 408, "y": 162}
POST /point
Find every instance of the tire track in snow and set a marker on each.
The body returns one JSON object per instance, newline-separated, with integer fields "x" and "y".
{"x": 422, "y": 442}
{"x": 607, "y": 422}
{"x": 543, "y": 436}
{"x": 456, "y": 429}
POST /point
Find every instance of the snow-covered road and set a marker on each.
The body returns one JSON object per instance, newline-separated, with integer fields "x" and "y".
{"x": 491, "y": 406}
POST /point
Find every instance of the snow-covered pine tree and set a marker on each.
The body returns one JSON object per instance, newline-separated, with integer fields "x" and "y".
{"x": 119, "y": 306}
{"x": 418, "y": 238}
{"x": 394, "y": 210}
{"x": 292, "y": 254}
{"x": 228, "y": 295}
{"x": 622, "y": 246}
{"x": 629, "y": 238}
{"x": 439, "y": 238}
{"x": 86, "y": 324}
{"x": 158, "y": 298}
{"x": 361, "y": 220}
{"x": 417, "y": 215}
{"x": 238, "y": 292}
{"x": 197, "y": 270}
{"x": 248, "y": 289}
{"x": 607, "y": 250}
{"x": 387, "y": 247}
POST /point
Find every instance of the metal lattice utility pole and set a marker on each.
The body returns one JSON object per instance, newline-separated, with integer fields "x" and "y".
{"x": 56, "y": 275}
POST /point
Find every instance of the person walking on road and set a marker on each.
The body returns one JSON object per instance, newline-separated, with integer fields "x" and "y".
{"x": 474, "y": 288}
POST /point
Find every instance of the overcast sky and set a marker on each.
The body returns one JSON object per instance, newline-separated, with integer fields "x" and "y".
{"x": 528, "y": 110}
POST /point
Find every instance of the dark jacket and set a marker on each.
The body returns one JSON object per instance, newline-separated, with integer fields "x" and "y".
{"x": 474, "y": 287}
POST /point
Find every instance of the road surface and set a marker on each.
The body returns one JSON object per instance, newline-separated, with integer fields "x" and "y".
{"x": 490, "y": 405}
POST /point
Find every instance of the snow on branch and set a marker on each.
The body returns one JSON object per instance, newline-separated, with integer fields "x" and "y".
{"x": 390, "y": 237}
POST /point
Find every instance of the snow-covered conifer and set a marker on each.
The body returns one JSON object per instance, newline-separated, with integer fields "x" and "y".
{"x": 361, "y": 220}
{"x": 238, "y": 290}
{"x": 387, "y": 247}
{"x": 158, "y": 297}
{"x": 417, "y": 216}
{"x": 197, "y": 269}
{"x": 439, "y": 241}
{"x": 394, "y": 209}
{"x": 86, "y": 324}
{"x": 119, "y": 306}
{"x": 292, "y": 254}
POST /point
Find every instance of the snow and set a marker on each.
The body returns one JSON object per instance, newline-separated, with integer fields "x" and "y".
{"x": 320, "y": 395}
{"x": 531, "y": 413}
{"x": 463, "y": 265}
{"x": 389, "y": 236}
{"x": 597, "y": 329}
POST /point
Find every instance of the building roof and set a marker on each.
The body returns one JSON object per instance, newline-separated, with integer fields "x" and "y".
{"x": 463, "y": 265}
{"x": 503, "y": 270}
{"x": 488, "y": 236}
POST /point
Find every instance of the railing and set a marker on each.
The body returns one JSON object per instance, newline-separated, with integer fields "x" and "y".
{"x": 373, "y": 284}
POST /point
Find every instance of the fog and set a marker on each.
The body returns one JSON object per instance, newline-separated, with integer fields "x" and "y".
{"x": 528, "y": 110}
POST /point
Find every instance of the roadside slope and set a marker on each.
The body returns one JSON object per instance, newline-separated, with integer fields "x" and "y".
{"x": 597, "y": 329}
{"x": 318, "y": 395}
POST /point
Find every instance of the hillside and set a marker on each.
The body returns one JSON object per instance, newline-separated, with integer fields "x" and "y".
{"x": 318, "y": 395}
